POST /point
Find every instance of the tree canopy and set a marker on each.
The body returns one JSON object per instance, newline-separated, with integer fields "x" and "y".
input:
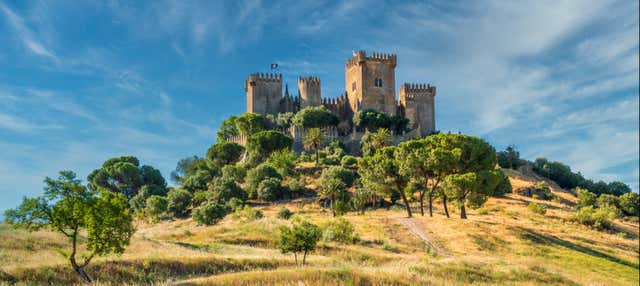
{"x": 224, "y": 153}
{"x": 315, "y": 117}
{"x": 70, "y": 208}
{"x": 123, "y": 175}
{"x": 262, "y": 144}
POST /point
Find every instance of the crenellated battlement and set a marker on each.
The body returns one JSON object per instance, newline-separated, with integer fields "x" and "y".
{"x": 414, "y": 90}
{"x": 266, "y": 77}
{"x": 309, "y": 80}
{"x": 361, "y": 56}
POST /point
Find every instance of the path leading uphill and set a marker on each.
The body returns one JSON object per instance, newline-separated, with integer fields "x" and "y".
{"x": 422, "y": 235}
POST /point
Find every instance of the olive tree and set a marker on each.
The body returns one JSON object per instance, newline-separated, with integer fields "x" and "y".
{"x": 72, "y": 209}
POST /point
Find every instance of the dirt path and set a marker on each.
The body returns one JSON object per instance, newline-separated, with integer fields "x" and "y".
{"x": 422, "y": 235}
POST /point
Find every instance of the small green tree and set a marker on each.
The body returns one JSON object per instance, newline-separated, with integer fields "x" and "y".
{"x": 585, "y": 198}
{"x": 334, "y": 183}
{"x": 284, "y": 213}
{"x": 257, "y": 175}
{"x": 68, "y": 207}
{"x": 270, "y": 189}
{"x": 630, "y": 204}
{"x": 471, "y": 189}
{"x": 209, "y": 213}
{"x": 227, "y": 129}
{"x": 156, "y": 206}
{"x": 340, "y": 230}
{"x": 284, "y": 161}
{"x": 222, "y": 189}
{"x": 509, "y": 158}
{"x": 260, "y": 145}
{"x": 315, "y": 117}
{"x": 224, "y": 153}
{"x": 250, "y": 123}
{"x": 313, "y": 140}
{"x": 178, "y": 201}
{"x": 300, "y": 237}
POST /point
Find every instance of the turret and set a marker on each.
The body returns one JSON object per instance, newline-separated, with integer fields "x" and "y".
{"x": 417, "y": 100}
{"x": 309, "y": 88}
{"x": 264, "y": 92}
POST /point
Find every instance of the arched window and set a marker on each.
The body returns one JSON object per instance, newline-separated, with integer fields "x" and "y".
{"x": 377, "y": 82}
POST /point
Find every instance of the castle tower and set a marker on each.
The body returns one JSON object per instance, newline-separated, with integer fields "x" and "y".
{"x": 264, "y": 92}
{"x": 370, "y": 82}
{"x": 417, "y": 102}
{"x": 309, "y": 88}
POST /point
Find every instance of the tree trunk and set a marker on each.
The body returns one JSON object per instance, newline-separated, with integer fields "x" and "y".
{"x": 444, "y": 202}
{"x": 422, "y": 202}
{"x": 406, "y": 202}
{"x": 431, "y": 204}
{"x": 463, "y": 212}
{"x": 317, "y": 160}
{"x": 304, "y": 258}
{"x": 295, "y": 256}
{"x": 333, "y": 206}
{"x": 79, "y": 269}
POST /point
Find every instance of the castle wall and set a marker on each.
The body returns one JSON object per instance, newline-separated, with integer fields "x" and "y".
{"x": 264, "y": 92}
{"x": 417, "y": 101}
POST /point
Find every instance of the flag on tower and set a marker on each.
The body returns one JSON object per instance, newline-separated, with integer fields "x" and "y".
{"x": 274, "y": 66}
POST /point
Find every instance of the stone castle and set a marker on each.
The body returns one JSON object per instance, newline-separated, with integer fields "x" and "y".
{"x": 369, "y": 84}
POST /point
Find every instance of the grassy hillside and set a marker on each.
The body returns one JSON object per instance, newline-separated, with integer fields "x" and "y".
{"x": 501, "y": 243}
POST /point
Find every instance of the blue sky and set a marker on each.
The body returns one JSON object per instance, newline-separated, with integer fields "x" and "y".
{"x": 83, "y": 81}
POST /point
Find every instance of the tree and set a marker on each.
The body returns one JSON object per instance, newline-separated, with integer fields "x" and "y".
{"x": 224, "y": 153}
{"x": 381, "y": 138}
{"x": 618, "y": 188}
{"x": 187, "y": 167}
{"x": 284, "y": 120}
{"x": 262, "y": 144}
{"x": 300, "y": 237}
{"x": 381, "y": 172}
{"x": 313, "y": 140}
{"x": 222, "y": 189}
{"x": 199, "y": 180}
{"x": 371, "y": 120}
{"x": 250, "y": 123}
{"x": 123, "y": 175}
{"x": 209, "y": 213}
{"x": 315, "y": 117}
{"x": 258, "y": 174}
{"x": 471, "y": 188}
{"x": 630, "y": 204}
{"x": 227, "y": 129}
{"x": 284, "y": 161}
{"x": 70, "y": 208}
{"x": 427, "y": 161}
{"x": 155, "y": 206}
{"x": 270, "y": 189}
{"x": 509, "y": 158}
{"x": 398, "y": 123}
{"x": 178, "y": 201}
{"x": 585, "y": 198}
{"x": 334, "y": 182}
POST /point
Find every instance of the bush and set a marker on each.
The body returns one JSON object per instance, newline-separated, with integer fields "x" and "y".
{"x": 223, "y": 189}
{"x": 138, "y": 202}
{"x": 537, "y": 208}
{"x": 234, "y": 172}
{"x": 257, "y": 175}
{"x": 585, "y": 198}
{"x": 630, "y": 204}
{"x": 209, "y": 213}
{"x": 270, "y": 189}
{"x": 235, "y": 204}
{"x": 178, "y": 201}
{"x": 330, "y": 160}
{"x": 339, "y": 230}
{"x": 200, "y": 197}
{"x": 305, "y": 157}
{"x": 248, "y": 214}
{"x": 156, "y": 206}
{"x": 297, "y": 186}
{"x": 284, "y": 213}
{"x": 284, "y": 161}
{"x": 348, "y": 161}
{"x": 598, "y": 218}
{"x": 504, "y": 187}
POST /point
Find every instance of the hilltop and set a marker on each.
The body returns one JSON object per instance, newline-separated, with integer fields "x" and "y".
{"x": 502, "y": 242}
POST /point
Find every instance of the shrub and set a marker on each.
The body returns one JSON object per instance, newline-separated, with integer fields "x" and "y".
{"x": 339, "y": 230}
{"x": 257, "y": 175}
{"x": 200, "y": 197}
{"x": 504, "y": 187}
{"x": 235, "y": 204}
{"x": 537, "y": 208}
{"x": 330, "y": 160}
{"x": 598, "y": 218}
{"x": 348, "y": 161}
{"x": 234, "y": 172}
{"x": 270, "y": 189}
{"x": 305, "y": 157}
{"x": 156, "y": 206}
{"x": 630, "y": 204}
{"x": 284, "y": 213}
{"x": 178, "y": 201}
{"x": 284, "y": 161}
{"x": 585, "y": 198}
{"x": 248, "y": 214}
{"x": 138, "y": 202}
{"x": 297, "y": 186}
{"x": 224, "y": 188}
{"x": 209, "y": 213}
{"x": 606, "y": 200}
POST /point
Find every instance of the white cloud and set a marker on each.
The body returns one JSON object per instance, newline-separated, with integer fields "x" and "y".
{"x": 25, "y": 35}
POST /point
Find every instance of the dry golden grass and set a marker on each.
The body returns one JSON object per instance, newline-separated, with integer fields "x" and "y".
{"x": 501, "y": 243}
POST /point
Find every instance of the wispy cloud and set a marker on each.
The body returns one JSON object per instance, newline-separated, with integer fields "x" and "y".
{"x": 25, "y": 35}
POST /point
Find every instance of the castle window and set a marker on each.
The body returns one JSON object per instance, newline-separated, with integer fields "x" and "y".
{"x": 353, "y": 86}
{"x": 377, "y": 82}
